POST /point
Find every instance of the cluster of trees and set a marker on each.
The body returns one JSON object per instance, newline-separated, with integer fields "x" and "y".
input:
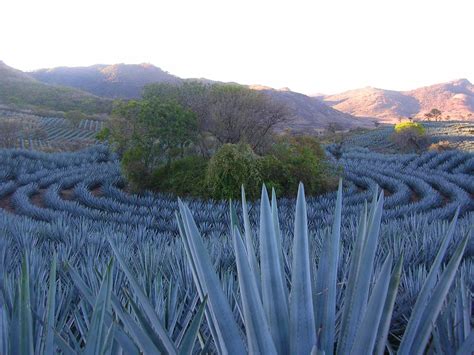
{"x": 434, "y": 114}
{"x": 194, "y": 138}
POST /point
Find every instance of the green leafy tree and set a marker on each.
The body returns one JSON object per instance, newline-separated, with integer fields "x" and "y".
{"x": 149, "y": 133}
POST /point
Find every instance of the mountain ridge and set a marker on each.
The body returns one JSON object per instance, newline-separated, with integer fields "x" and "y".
{"x": 126, "y": 81}
{"x": 19, "y": 89}
{"x": 454, "y": 98}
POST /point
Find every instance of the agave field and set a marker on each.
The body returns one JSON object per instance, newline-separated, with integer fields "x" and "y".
{"x": 50, "y": 133}
{"x": 460, "y": 134}
{"x": 384, "y": 264}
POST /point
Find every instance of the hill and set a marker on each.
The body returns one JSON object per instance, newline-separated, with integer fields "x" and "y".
{"x": 454, "y": 99}
{"x": 127, "y": 81}
{"x": 20, "y": 90}
{"x": 112, "y": 81}
{"x": 310, "y": 113}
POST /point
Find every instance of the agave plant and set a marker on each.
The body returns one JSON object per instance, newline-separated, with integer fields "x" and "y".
{"x": 291, "y": 314}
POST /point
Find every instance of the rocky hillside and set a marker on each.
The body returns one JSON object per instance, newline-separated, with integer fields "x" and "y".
{"x": 310, "y": 113}
{"x": 112, "y": 81}
{"x": 127, "y": 81}
{"x": 20, "y": 90}
{"x": 455, "y": 99}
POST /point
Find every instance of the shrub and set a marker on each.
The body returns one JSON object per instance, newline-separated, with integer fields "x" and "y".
{"x": 184, "y": 177}
{"x": 232, "y": 166}
{"x": 410, "y": 136}
{"x": 294, "y": 160}
{"x": 415, "y": 126}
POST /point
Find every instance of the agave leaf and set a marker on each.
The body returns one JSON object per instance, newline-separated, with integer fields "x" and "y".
{"x": 302, "y": 323}
{"x": 367, "y": 332}
{"x": 249, "y": 241}
{"x": 256, "y": 327}
{"x": 4, "y": 330}
{"x": 227, "y": 330}
{"x": 144, "y": 324}
{"x": 467, "y": 345}
{"x": 187, "y": 320}
{"x": 278, "y": 238}
{"x": 358, "y": 303}
{"x": 108, "y": 342}
{"x": 142, "y": 338}
{"x": 275, "y": 302}
{"x": 356, "y": 260}
{"x": 167, "y": 344}
{"x": 326, "y": 281}
{"x": 433, "y": 307}
{"x": 463, "y": 311}
{"x": 187, "y": 345}
{"x": 25, "y": 339}
{"x": 384, "y": 326}
{"x": 416, "y": 316}
{"x": 124, "y": 340}
{"x": 97, "y": 330}
{"x": 197, "y": 281}
{"x": 49, "y": 334}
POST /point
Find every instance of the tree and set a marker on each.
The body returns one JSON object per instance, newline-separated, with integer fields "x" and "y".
{"x": 150, "y": 132}
{"x": 434, "y": 113}
{"x": 239, "y": 114}
{"x": 228, "y": 113}
{"x": 192, "y": 95}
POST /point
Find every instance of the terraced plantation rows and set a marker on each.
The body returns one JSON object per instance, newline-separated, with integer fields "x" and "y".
{"x": 51, "y": 133}
{"x": 74, "y": 205}
{"x": 459, "y": 134}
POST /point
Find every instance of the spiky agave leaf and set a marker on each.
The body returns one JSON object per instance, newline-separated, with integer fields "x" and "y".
{"x": 97, "y": 335}
{"x": 259, "y": 338}
{"x": 249, "y": 241}
{"x": 302, "y": 324}
{"x": 356, "y": 305}
{"x": 226, "y": 329}
{"x": 326, "y": 281}
{"x": 165, "y": 343}
{"x": 275, "y": 301}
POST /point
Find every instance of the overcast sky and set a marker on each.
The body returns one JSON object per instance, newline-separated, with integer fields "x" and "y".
{"x": 309, "y": 46}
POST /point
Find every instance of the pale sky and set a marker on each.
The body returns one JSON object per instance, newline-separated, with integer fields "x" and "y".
{"x": 309, "y": 46}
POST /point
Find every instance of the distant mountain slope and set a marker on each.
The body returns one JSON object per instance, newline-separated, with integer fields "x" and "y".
{"x": 127, "y": 81}
{"x": 113, "y": 81}
{"x": 310, "y": 113}
{"x": 373, "y": 102}
{"x": 454, "y": 98}
{"x": 21, "y": 90}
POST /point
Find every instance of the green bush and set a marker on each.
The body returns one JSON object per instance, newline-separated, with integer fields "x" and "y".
{"x": 184, "y": 177}
{"x": 295, "y": 160}
{"x": 234, "y": 165}
{"x": 403, "y": 126}
{"x": 410, "y": 137}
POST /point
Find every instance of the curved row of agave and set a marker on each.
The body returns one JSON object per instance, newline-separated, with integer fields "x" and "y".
{"x": 285, "y": 307}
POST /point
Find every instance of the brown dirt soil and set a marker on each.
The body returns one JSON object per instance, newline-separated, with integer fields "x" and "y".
{"x": 5, "y": 203}
{"x": 67, "y": 194}
{"x": 97, "y": 191}
{"x": 37, "y": 198}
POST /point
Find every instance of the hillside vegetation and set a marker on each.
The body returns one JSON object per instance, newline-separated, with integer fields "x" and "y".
{"x": 20, "y": 90}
